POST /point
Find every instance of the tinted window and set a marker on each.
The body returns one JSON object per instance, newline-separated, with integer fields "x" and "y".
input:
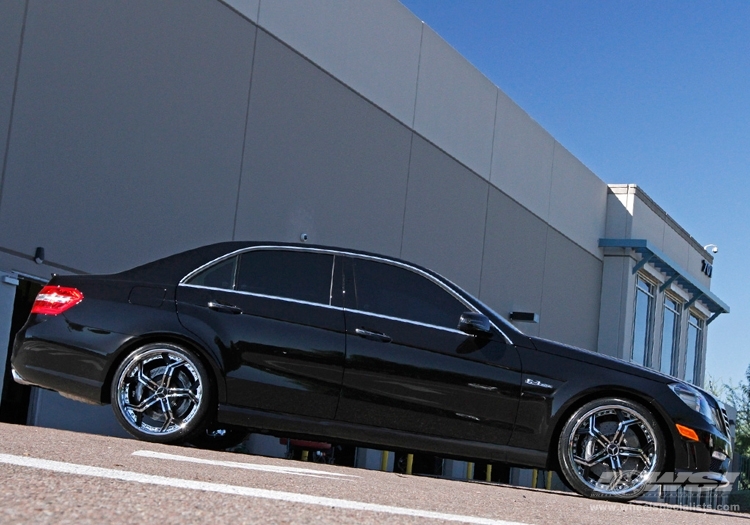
{"x": 642, "y": 320}
{"x": 390, "y": 290}
{"x": 220, "y": 275}
{"x": 305, "y": 276}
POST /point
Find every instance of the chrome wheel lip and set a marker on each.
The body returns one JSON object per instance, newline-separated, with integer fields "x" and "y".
{"x": 133, "y": 384}
{"x": 613, "y": 450}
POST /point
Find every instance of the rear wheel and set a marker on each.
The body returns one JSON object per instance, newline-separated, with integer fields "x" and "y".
{"x": 161, "y": 393}
{"x": 610, "y": 448}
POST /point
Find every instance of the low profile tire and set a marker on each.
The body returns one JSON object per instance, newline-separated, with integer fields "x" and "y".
{"x": 610, "y": 449}
{"x": 161, "y": 393}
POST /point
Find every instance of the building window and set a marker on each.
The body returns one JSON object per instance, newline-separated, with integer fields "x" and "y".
{"x": 694, "y": 344}
{"x": 643, "y": 321}
{"x": 670, "y": 336}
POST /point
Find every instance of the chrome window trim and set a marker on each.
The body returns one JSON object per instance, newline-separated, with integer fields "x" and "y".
{"x": 253, "y": 248}
{"x": 409, "y": 321}
{"x": 345, "y": 253}
{"x": 263, "y": 296}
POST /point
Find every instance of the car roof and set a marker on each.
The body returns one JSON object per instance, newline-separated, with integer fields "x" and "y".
{"x": 171, "y": 269}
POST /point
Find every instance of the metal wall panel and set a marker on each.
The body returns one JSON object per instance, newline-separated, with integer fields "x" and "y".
{"x": 319, "y": 159}
{"x": 578, "y": 201}
{"x": 372, "y": 46}
{"x": 445, "y": 216}
{"x": 522, "y": 157}
{"x": 455, "y": 104}
{"x": 572, "y": 293}
{"x": 127, "y": 132}
{"x": 514, "y": 257}
{"x": 248, "y": 8}
{"x": 11, "y": 22}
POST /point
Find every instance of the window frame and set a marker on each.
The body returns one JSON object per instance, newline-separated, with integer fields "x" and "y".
{"x": 650, "y": 314}
{"x": 344, "y": 253}
{"x": 700, "y": 326}
{"x": 420, "y": 275}
{"x": 676, "y": 333}
{"x": 185, "y": 281}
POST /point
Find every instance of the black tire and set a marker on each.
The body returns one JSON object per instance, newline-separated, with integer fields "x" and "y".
{"x": 218, "y": 436}
{"x": 611, "y": 449}
{"x": 161, "y": 393}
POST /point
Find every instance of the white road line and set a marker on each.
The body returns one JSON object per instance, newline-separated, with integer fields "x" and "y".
{"x": 248, "y": 466}
{"x": 291, "y": 497}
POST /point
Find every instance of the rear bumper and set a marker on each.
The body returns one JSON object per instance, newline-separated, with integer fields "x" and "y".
{"x": 53, "y": 354}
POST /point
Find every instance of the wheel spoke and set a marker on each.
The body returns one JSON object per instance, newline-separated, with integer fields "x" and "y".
{"x": 593, "y": 460}
{"x": 169, "y": 416}
{"x": 617, "y": 471}
{"x": 144, "y": 379}
{"x": 622, "y": 428}
{"x": 596, "y": 433}
{"x": 166, "y": 379}
{"x": 632, "y": 452}
{"x": 177, "y": 393}
{"x": 143, "y": 405}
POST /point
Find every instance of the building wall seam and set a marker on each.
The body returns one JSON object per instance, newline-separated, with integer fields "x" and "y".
{"x": 244, "y": 138}
{"x": 411, "y": 128}
{"x": 6, "y": 148}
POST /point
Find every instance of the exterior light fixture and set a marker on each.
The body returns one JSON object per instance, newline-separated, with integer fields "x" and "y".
{"x": 714, "y": 248}
{"x": 524, "y": 317}
{"x": 39, "y": 255}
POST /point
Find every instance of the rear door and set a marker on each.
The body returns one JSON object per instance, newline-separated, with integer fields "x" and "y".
{"x": 269, "y": 314}
{"x": 409, "y": 368}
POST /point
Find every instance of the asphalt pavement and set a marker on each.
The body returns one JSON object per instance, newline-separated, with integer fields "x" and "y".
{"x": 53, "y": 476}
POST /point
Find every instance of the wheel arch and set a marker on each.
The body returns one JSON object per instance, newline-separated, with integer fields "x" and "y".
{"x": 623, "y": 393}
{"x": 212, "y": 364}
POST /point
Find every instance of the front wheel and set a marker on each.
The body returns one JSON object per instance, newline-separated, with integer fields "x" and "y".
{"x": 610, "y": 449}
{"x": 161, "y": 393}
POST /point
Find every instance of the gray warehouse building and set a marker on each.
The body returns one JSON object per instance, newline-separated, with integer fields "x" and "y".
{"x": 133, "y": 130}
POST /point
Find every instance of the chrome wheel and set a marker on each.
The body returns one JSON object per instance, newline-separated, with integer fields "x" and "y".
{"x": 159, "y": 393}
{"x": 611, "y": 449}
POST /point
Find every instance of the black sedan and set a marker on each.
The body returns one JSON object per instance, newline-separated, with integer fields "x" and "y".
{"x": 351, "y": 347}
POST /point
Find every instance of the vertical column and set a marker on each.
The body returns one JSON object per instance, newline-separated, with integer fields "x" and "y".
{"x": 8, "y": 283}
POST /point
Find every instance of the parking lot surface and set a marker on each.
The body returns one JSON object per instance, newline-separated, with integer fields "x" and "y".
{"x": 52, "y": 476}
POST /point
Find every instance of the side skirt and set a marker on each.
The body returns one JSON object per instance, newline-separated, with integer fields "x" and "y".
{"x": 288, "y": 425}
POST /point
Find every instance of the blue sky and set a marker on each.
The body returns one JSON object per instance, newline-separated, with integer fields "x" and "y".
{"x": 651, "y": 93}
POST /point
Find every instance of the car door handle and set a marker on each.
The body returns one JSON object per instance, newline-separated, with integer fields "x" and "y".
{"x": 224, "y": 308}
{"x": 373, "y": 336}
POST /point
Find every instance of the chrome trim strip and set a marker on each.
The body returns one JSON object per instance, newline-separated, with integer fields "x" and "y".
{"x": 347, "y": 254}
{"x": 18, "y": 379}
{"x": 330, "y": 288}
{"x": 252, "y": 248}
{"x": 263, "y": 296}
{"x": 401, "y": 320}
{"x": 483, "y": 387}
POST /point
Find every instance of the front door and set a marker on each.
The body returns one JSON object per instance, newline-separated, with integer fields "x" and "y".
{"x": 409, "y": 368}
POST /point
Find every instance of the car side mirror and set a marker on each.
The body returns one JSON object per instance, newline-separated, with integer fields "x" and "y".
{"x": 474, "y": 323}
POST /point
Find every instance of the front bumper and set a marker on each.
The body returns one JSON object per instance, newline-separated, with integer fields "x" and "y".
{"x": 702, "y": 462}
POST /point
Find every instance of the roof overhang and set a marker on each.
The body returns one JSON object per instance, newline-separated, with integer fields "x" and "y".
{"x": 675, "y": 273}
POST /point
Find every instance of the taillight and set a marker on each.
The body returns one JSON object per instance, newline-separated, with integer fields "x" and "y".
{"x": 53, "y": 300}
